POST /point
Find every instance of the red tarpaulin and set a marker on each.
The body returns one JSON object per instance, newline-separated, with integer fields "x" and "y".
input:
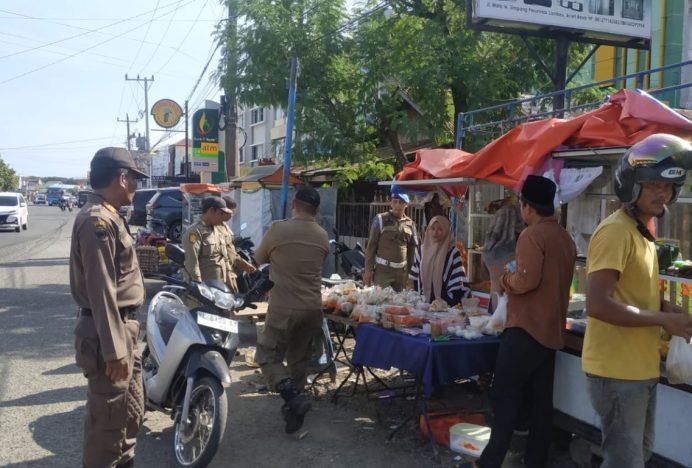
{"x": 627, "y": 118}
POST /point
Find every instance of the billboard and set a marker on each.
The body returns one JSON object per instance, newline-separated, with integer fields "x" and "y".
{"x": 205, "y": 140}
{"x": 616, "y": 22}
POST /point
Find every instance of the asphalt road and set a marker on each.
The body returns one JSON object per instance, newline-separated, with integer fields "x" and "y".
{"x": 42, "y": 392}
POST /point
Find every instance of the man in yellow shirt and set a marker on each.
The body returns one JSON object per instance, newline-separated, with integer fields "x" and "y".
{"x": 625, "y": 314}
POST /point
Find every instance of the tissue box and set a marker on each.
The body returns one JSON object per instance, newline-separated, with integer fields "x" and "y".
{"x": 469, "y": 439}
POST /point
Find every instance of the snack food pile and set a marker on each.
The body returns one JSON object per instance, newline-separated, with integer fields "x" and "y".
{"x": 407, "y": 311}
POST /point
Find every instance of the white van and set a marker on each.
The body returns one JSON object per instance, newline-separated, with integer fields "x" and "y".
{"x": 13, "y": 211}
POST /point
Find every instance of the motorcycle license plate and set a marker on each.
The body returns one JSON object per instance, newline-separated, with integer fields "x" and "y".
{"x": 219, "y": 323}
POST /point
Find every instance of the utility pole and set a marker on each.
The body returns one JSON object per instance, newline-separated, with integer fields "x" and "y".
{"x": 289, "y": 134}
{"x": 231, "y": 140}
{"x": 146, "y": 116}
{"x": 128, "y": 122}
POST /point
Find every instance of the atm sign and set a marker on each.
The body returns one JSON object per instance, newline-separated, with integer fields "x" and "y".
{"x": 209, "y": 149}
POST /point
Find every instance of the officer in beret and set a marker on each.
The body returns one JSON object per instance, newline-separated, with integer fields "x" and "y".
{"x": 391, "y": 247}
{"x": 106, "y": 283}
{"x": 205, "y": 244}
{"x": 296, "y": 249}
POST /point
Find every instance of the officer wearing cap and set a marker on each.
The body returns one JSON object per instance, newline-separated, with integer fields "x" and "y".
{"x": 296, "y": 249}
{"x": 106, "y": 283}
{"x": 391, "y": 246}
{"x": 205, "y": 244}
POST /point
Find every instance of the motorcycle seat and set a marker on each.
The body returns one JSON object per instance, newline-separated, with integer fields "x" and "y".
{"x": 167, "y": 318}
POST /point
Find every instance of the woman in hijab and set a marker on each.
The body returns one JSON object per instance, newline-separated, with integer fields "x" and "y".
{"x": 437, "y": 271}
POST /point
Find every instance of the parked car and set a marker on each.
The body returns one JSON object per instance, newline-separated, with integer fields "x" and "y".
{"x": 14, "y": 212}
{"x": 165, "y": 213}
{"x": 40, "y": 199}
{"x": 137, "y": 212}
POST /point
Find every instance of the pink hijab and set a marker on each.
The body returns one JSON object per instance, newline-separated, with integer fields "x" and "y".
{"x": 432, "y": 258}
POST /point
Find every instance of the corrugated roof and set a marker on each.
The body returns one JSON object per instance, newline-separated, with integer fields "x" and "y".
{"x": 258, "y": 173}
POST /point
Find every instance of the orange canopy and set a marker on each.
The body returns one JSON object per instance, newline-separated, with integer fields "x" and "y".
{"x": 627, "y": 118}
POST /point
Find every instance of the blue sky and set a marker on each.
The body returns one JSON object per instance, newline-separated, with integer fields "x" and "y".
{"x": 49, "y": 110}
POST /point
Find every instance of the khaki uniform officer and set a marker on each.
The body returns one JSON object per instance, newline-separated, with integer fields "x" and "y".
{"x": 106, "y": 283}
{"x": 205, "y": 245}
{"x": 232, "y": 258}
{"x": 296, "y": 249}
{"x": 391, "y": 246}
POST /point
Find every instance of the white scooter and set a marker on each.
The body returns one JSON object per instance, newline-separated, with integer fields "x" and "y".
{"x": 190, "y": 343}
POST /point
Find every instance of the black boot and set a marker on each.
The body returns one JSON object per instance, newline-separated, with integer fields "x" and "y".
{"x": 296, "y": 406}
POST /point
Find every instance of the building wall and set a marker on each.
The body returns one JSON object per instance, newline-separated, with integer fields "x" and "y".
{"x": 671, "y": 43}
{"x": 264, "y": 130}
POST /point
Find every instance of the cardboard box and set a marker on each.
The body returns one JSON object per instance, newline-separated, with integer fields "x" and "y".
{"x": 469, "y": 439}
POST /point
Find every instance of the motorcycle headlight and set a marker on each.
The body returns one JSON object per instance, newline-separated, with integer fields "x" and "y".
{"x": 205, "y": 291}
{"x": 223, "y": 300}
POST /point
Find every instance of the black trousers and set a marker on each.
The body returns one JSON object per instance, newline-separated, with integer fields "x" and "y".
{"x": 523, "y": 373}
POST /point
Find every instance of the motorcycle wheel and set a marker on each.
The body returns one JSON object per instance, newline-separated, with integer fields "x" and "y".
{"x": 196, "y": 442}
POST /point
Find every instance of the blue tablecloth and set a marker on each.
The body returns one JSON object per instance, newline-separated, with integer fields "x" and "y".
{"x": 431, "y": 362}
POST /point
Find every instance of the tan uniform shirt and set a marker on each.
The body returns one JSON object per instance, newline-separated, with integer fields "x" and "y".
{"x": 296, "y": 249}
{"x": 104, "y": 272}
{"x": 391, "y": 238}
{"x": 231, "y": 254}
{"x": 205, "y": 252}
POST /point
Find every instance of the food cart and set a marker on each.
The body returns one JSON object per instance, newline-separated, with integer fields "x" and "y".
{"x": 583, "y": 212}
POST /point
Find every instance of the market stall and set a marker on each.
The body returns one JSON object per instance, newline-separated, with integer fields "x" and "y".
{"x": 578, "y": 154}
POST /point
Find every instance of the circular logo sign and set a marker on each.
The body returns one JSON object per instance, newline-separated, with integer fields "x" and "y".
{"x": 166, "y": 113}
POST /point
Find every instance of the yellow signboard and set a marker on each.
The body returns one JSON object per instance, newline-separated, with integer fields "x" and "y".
{"x": 209, "y": 149}
{"x": 166, "y": 113}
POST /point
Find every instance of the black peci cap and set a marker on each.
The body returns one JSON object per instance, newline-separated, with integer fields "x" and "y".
{"x": 539, "y": 191}
{"x": 116, "y": 158}
{"x": 308, "y": 195}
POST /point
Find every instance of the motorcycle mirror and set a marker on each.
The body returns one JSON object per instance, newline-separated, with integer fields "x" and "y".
{"x": 332, "y": 241}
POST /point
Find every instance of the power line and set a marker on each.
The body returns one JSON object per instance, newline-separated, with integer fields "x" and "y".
{"x": 146, "y": 33}
{"x": 177, "y": 49}
{"x": 79, "y": 52}
{"x": 53, "y": 144}
{"x": 88, "y": 31}
{"x": 165, "y": 33}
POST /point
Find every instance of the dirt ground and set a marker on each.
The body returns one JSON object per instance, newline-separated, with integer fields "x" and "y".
{"x": 353, "y": 431}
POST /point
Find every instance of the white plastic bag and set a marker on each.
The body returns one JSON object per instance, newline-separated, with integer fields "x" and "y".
{"x": 497, "y": 322}
{"x": 679, "y": 361}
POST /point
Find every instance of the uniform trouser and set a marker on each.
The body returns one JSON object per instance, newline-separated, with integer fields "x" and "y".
{"x": 287, "y": 334}
{"x": 114, "y": 411}
{"x": 388, "y": 276}
{"x": 523, "y": 366}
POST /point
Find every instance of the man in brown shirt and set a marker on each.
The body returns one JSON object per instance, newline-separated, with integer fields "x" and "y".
{"x": 538, "y": 293}
{"x": 296, "y": 249}
{"x": 106, "y": 283}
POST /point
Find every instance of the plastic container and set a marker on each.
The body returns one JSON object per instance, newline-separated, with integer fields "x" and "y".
{"x": 469, "y": 439}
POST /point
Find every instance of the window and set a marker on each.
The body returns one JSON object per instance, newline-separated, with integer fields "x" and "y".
{"x": 242, "y": 155}
{"x": 257, "y": 115}
{"x": 257, "y": 152}
{"x": 278, "y": 113}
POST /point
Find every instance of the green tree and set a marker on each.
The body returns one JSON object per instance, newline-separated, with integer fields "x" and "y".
{"x": 348, "y": 101}
{"x": 8, "y": 178}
